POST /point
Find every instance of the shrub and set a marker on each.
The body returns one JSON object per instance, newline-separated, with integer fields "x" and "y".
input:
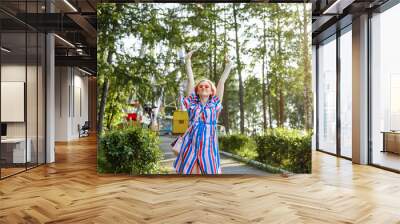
{"x": 233, "y": 143}
{"x": 133, "y": 150}
{"x": 103, "y": 166}
{"x": 284, "y": 148}
{"x": 238, "y": 144}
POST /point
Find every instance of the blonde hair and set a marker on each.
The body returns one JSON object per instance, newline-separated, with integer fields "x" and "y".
{"x": 213, "y": 89}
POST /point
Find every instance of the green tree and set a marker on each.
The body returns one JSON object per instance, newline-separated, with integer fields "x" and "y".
{"x": 236, "y": 10}
{"x": 252, "y": 98}
{"x": 269, "y": 41}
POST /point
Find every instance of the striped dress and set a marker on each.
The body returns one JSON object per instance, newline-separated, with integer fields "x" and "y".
{"x": 200, "y": 141}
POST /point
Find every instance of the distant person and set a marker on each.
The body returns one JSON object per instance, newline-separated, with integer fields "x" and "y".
{"x": 199, "y": 152}
{"x": 134, "y": 112}
{"x": 146, "y": 121}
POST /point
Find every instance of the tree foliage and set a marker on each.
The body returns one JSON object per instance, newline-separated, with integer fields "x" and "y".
{"x": 137, "y": 58}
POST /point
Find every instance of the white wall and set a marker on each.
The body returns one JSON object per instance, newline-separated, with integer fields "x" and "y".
{"x": 62, "y": 82}
{"x": 71, "y": 87}
{"x": 81, "y": 94}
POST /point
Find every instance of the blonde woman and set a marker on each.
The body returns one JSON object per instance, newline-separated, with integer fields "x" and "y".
{"x": 199, "y": 152}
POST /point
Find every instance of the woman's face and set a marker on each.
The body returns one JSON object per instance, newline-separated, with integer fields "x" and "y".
{"x": 204, "y": 89}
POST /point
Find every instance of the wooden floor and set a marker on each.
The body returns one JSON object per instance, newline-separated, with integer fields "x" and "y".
{"x": 8, "y": 171}
{"x": 11, "y": 170}
{"x": 70, "y": 191}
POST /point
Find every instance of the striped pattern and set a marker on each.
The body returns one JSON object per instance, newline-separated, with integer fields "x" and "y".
{"x": 200, "y": 141}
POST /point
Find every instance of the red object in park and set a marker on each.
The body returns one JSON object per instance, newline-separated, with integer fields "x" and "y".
{"x": 132, "y": 116}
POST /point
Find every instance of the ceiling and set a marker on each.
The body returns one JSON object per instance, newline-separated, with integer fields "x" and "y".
{"x": 330, "y": 15}
{"x": 74, "y": 22}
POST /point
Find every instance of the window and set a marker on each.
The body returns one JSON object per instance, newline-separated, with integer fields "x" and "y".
{"x": 346, "y": 92}
{"x": 385, "y": 89}
{"x": 22, "y": 76}
{"x": 327, "y": 96}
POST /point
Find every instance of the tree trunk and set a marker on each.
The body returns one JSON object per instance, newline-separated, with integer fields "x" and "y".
{"x": 280, "y": 80}
{"x": 142, "y": 51}
{"x": 210, "y": 64}
{"x": 154, "y": 122}
{"x": 104, "y": 94}
{"x": 269, "y": 104}
{"x": 112, "y": 115}
{"x": 270, "y": 99}
{"x": 109, "y": 117}
{"x": 263, "y": 78}
{"x": 281, "y": 108}
{"x": 239, "y": 69}
{"x": 269, "y": 90}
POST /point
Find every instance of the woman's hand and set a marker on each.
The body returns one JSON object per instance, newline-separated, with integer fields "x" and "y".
{"x": 188, "y": 56}
{"x": 228, "y": 67}
{"x": 228, "y": 62}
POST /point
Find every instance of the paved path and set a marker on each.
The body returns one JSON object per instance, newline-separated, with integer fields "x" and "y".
{"x": 229, "y": 166}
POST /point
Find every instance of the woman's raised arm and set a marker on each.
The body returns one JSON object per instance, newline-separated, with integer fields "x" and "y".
{"x": 189, "y": 72}
{"x": 224, "y": 77}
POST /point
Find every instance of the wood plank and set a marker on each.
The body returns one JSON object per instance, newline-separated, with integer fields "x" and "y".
{"x": 70, "y": 191}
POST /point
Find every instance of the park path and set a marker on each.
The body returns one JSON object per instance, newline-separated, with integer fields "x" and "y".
{"x": 229, "y": 165}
